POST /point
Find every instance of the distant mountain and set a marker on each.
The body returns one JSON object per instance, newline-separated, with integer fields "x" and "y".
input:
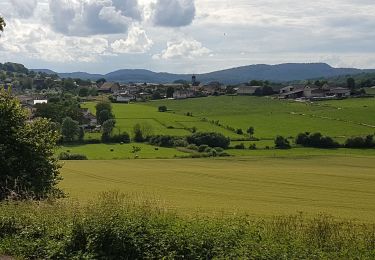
{"x": 276, "y": 73}
{"x": 81, "y": 75}
{"x": 47, "y": 71}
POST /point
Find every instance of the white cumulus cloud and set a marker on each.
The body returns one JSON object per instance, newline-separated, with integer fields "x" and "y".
{"x": 183, "y": 49}
{"x": 90, "y": 17}
{"x": 137, "y": 42}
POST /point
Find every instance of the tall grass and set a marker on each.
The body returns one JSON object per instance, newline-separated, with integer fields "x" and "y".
{"x": 118, "y": 227}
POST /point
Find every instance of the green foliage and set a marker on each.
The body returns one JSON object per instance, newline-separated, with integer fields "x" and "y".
{"x": 156, "y": 95}
{"x": 104, "y": 115}
{"x": 250, "y": 131}
{"x": 83, "y": 92}
{"x": 240, "y": 146}
{"x": 202, "y": 148}
{"x": 316, "y": 140}
{"x": 252, "y": 146}
{"x": 102, "y": 106}
{"x": 27, "y": 163}
{"x": 170, "y": 91}
{"x": 239, "y": 131}
{"x": 101, "y": 81}
{"x": 107, "y": 129}
{"x": 138, "y": 134}
{"x": 162, "y": 109}
{"x": 70, "y": 156}
{"x": 210, "y": 139}
{"x": 120, "y": 138}
{"x": 115, "y": 227}
{"x": 70, "y": 130}
{"x": 350, "y": 83}
{"x": 167, "y": 141}
{"x": 282, "y": 143}
{"x": 360, "y": 142}
{"x": 59, "y": 108}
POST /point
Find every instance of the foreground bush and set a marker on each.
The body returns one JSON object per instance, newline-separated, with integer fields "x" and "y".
{"x": 28, "y": 167}
{"x": 117, "y": 228}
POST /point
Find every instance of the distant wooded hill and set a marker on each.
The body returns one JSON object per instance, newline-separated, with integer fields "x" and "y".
{"x": 276, "y": 73}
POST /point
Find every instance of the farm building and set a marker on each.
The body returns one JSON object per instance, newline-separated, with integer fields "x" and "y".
{"x": 182, "y": 94}
{"x": 109, "y": 87}
{"x": 292, "y": 92}
{"x": 247, "y": 90}
{"x": 124, "y": 98}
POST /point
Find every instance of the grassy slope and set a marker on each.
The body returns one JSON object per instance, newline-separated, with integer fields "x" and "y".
{"x": 273, "y": 117}
{"x": 342, "y": 186}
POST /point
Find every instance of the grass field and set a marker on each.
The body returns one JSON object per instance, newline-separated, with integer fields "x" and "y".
{"x": 339, "y": 185}
{"x": 270, "y": 117}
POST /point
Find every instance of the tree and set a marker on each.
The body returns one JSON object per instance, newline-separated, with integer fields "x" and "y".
{"x": 250, "y": 131}
{"x": 107, "y": 129}
{"x": 282, "y": 143}
{"x": 101, "y": 81}
{"x": 28, "y": 166}
{"x": 70, "y": 129}
{"x": 138, "y": 135}
{"x": 103, "y": 106}
{"x": 350, "y": 82}
{"x": 2, "y": 24}
{"x": 83, "y": 92}
{"x": 104, "y": 115}
{"x": 170, "y": 91}
{"x": 156, "y": 95}
{"x": 210, "y": 139}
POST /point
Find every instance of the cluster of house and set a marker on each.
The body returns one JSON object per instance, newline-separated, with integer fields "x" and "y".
{"x": 131, "y": 92}
{"x": 313, "y": 92}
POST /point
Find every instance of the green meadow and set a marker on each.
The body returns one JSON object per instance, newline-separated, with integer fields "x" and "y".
{"x": 342, "y": 186}
{"x": 269, "y": 117}
{"x": 261, "y": 182}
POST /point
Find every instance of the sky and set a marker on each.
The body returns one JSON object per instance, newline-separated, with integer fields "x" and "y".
{"x": 186, "y": 36}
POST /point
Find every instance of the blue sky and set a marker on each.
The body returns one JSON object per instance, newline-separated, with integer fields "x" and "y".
{"x": 186, "y": 36}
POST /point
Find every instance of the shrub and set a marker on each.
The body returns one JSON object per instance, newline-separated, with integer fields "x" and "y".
{"x": 252, "y": 146}
{"x": 202, "y": 148}
{"x": 219, "y": 149}
{"x": 239, "y": 132}
{"x": 138, "y": 134}
{"x": 167, "y": 141}
{"x": 192, "y": 147}
{"x": 208, "y": 150}
{"x": 69, "y": 156}
{"x": 360, "y": 142}
{"x": 240, "y": 146}
{"x": 180, "y": 142}
{"x": 162, "y": 108}
{"x": 282, "y": 143}
{"x": 116, "y": 227}
{"x": 120, "y": 138}
{"x": 210, "y": 139}
{"x": 316, "y": 140}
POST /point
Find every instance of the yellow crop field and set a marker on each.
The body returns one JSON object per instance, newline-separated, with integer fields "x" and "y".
{"x": 342, "y": 186}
